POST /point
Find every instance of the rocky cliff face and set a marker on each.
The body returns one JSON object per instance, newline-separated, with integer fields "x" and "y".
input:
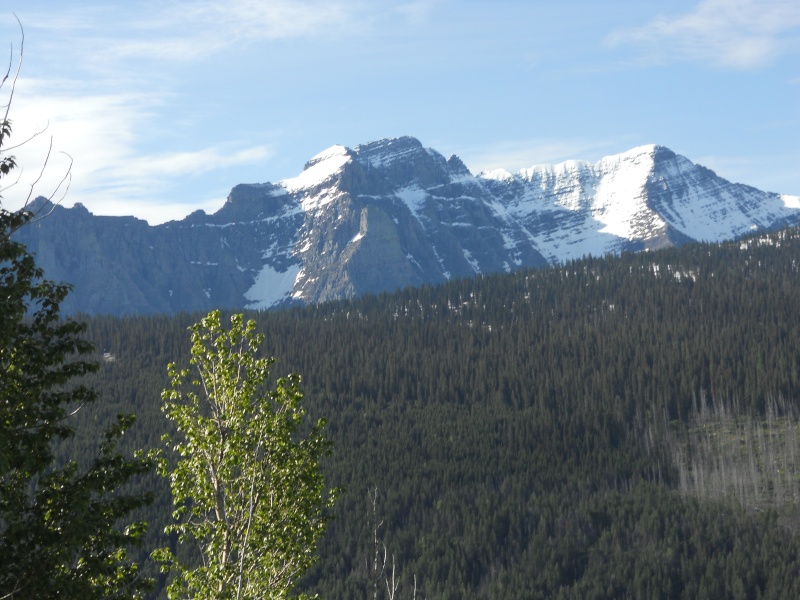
{"x": 390, "y": 214}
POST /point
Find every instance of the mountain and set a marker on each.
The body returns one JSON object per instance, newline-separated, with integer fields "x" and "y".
{"x": 390, "y": 214}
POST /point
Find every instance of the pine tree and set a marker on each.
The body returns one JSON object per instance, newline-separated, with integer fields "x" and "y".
{"x": 62, "y": 530}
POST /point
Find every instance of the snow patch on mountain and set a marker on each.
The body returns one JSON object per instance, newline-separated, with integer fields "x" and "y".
{"x": 550, "y": 172}
{"x": 271, "y": 287}
{"x": 496, "y": 175}
{"x": 574, "y": 208}
{"x": 472, "y": 262}
{"x": 319, "y": 169}
{"x": 620, "y": 202}
{"x": 790, "y": 201}
{"x": 414, "y": 197}
{"x": 463, "y": 178}
{"x": 312, "y": 203}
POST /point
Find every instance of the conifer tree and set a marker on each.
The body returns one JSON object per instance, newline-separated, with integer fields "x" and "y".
{"x": 62, "y": 526}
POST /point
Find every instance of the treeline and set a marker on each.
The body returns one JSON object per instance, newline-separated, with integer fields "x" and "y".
{"x": 515, "y": 426}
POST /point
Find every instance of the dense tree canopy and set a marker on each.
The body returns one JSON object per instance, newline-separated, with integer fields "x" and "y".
{"x": 515, "y": 424}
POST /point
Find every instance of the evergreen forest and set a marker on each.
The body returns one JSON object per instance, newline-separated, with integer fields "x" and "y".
{"x": 619, "y": 427}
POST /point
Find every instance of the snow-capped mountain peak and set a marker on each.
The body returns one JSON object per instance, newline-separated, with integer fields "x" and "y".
{"x": 319, "y": 169}
{"x": 383, "y": 153}
{"x": 393, "y": 213}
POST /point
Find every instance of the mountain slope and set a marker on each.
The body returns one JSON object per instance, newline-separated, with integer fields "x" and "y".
{"x": 390, "y": 214}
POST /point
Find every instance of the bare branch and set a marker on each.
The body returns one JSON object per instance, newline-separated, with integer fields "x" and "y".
{"x": 65, "y": 183}
{"x": 16, "y": 74}
{"x": 2, "y": 83}
{"x": 32, "y": 137}
{"x": 62, "y": 188}
{"x": 9, "y": 186}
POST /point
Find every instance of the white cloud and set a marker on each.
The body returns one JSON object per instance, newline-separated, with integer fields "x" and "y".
{"x": 111, "y": 121}
{"x": 118, "y": 94}
{"x": 191, "y": 162}
{"x": 106, "y": 135}
{"x": 93, "y": 129}
{"x": 738, "y": 34}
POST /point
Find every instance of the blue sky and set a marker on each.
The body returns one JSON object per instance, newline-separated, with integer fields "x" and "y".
{"x": 164, "y": 106}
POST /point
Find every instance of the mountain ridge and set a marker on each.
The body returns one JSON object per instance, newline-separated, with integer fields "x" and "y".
{"x": 389, "y": 214}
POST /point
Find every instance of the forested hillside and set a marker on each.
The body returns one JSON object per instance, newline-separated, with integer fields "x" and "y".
{"x": 531, "y": 435}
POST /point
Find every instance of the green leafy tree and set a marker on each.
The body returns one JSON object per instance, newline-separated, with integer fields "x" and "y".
{"x": 61, "y": 530}
{"x": 247, "y": 486}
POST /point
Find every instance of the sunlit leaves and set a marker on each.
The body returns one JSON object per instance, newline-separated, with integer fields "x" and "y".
{"x": 246, "y": 484}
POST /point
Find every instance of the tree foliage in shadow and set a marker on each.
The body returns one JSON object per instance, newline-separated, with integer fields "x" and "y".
{"x": 515, "y": 424}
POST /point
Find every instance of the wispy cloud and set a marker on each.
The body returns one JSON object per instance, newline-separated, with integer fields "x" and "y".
{"x": 186, "y": 30}
{"x": 207, "y": 27}
{"x": 276, "y": 19}
{"x": 736, "y": 34}
{"x": 194, "y": 162}
{"x": 106, "y": 122}
{"x": 104, "y": 134}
